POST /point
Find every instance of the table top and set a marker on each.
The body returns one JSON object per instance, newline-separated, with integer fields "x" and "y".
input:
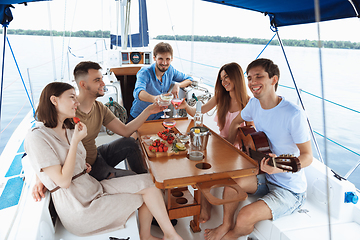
{"x": 225, "y": 160}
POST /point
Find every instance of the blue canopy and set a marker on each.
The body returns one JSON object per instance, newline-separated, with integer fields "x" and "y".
{"x": 5, "y": 10}
{"x": 281, "y": 12}
{"x": 292, "y": 12}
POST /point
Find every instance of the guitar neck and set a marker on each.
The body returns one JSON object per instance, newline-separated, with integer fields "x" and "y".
{"x": 258, "y": 156}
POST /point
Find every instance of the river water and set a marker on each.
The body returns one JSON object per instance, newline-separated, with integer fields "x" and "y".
{"x": 339, "y": 70}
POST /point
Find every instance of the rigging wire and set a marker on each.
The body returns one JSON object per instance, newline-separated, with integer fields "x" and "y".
{"x": 63, "y": 44}
{"x": 17, "y": 66}
{"x": 172, "y": 28}
{"x": 311, "y": 94}
{"x": 102, "y": 27}
{"x": 192, "y": 36}
{"x": 71, "y": 29}
{"x": 117, "y": 24}
{"x": 51, "y": 40}
{"x": 317, "y": 19}
{"x": 13, "y": 118}
{"x": 141, "y": 25}
{"x": 2, "y": 69}
{"x": 126, "y": 26}
{"x": 299, "y": 96}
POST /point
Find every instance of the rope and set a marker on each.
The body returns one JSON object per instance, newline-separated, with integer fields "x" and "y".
{"x": 280, "y": 85}
{"x": 11, "y": 83}
{"x": 218, "y": 67}
{"x": 299, "y": 97}
{"x": 358, "y": 154}
{"x": 195, "y": 62}
{"x": 265, "y": 47}
{"x": 13, "y": 118}
{"x": 311, "y": 94}
{"x": 17, "y": 66}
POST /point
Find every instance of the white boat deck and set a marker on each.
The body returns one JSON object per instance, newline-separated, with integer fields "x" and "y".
{"x": 34, "y": 222}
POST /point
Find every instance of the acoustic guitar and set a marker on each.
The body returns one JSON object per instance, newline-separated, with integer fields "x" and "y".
{"x": 256, "y": 145}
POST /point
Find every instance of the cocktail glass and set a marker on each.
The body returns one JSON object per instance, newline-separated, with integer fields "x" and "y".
{"x": 183, "y": 138}
{"x": 169, "y": 123}
{"x": 165, "y": 100}
{"x": 176, "y": 102}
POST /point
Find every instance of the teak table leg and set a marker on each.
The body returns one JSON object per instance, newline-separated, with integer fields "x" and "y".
{"x": 168, "y": 199}
{"x": 195, "y": 224}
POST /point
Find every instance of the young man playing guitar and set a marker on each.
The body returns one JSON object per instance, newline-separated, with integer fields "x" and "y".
{"x": 285, "y": 125}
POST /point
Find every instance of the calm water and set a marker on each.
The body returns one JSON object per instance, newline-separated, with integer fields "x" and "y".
{"x": 341, "y": 82}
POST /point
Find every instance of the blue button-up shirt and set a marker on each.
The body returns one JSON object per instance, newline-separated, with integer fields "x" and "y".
{"x": 146, "y": 80}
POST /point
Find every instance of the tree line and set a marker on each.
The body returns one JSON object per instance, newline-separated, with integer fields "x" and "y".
{"x": 82, "y": 33}
{"x": 106, "y": 34}
{"x": 286, "y": 42}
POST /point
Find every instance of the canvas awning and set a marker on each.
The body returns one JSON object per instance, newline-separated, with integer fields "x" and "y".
{"x": 292, "y": 12}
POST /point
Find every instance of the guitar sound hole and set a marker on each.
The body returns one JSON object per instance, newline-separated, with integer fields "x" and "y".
{"x": 203, "y": 165}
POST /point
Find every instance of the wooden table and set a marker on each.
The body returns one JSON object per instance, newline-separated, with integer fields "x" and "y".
{"x": 175, "y": 173}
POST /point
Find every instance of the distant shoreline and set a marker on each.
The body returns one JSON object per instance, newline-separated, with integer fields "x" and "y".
{"x": 106, "y": 34}
{"x": 286, "y": 42}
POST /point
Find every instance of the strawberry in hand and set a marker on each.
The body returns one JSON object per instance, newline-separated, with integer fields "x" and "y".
{"x": 76, "y": 120}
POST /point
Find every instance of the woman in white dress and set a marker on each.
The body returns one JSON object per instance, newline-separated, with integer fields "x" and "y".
{"x": 84, "y": 205}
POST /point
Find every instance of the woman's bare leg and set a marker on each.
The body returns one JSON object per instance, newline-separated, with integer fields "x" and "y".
{"x": 154, "y": 202}
{"x": 145, "y": 218}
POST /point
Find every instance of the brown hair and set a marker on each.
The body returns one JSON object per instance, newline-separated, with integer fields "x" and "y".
{"x": 269, "y": 66}
{"x": 222, "y": 97}
{"x": 82, "y": 68}
{"x": 46, "y": 111}
{"x": 162, "y": 47}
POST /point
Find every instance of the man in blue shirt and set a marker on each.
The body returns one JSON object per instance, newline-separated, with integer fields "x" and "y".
{"x": 156, "y": 79}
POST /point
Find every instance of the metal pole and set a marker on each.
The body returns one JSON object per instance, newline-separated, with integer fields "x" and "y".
{"x": 31, "y": 92}
{"x": 2, "y": 71}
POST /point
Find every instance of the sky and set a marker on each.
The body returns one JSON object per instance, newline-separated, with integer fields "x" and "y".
{"x": 169, "y": 17}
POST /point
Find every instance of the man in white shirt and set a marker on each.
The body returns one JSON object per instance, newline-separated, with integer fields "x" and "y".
{"x": 285, "y": 125}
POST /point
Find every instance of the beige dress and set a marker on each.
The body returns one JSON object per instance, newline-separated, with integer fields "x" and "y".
{"x": 87, "y": 206}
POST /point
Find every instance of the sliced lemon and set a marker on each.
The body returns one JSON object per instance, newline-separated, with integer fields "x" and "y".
{"x": 180, "y": 146}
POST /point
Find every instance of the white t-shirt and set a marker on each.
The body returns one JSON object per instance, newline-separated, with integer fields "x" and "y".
{"x": 285, "y": 126}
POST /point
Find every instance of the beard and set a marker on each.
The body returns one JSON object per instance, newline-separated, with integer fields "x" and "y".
{"x": 162, "y": 69}
{"x": 97, "y": 93}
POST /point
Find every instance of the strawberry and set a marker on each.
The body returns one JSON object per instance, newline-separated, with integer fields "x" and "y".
{"x": 165, "y": 148}
{"x": 76, "y": 120}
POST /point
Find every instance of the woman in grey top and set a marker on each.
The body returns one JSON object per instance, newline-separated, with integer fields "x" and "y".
{"x": 86, "y": 206}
